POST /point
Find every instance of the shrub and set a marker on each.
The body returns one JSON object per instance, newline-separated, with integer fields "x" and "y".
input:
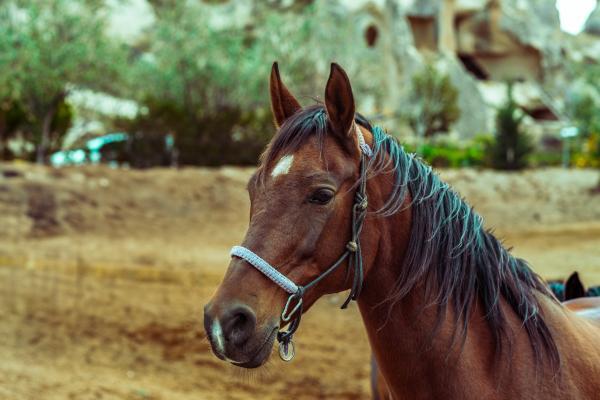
{"x": 546, "y": 159}
{"x": 588, "y": 156}
{"x": 448, "y": 154}
{"x": 434, "y": 102}
{"x": 511, "y": 146}
{"x": 227, "y": 135}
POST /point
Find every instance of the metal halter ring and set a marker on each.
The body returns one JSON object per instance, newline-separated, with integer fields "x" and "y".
{"x": 286, "y": 315}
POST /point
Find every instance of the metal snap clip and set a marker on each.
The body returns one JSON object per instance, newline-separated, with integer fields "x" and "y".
{"x": 286, "y": 314}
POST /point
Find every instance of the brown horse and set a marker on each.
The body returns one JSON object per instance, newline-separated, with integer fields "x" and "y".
{"x": 449, "y": 312}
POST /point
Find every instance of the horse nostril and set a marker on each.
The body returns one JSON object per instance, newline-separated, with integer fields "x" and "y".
{"x": 239, "y": 324}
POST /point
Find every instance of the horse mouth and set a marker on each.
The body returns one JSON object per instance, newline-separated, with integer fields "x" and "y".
{"x": 261, "y": 355}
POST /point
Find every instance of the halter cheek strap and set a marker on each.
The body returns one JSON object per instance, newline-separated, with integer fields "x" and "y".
{"x": 292, "y": 312}
{"x": 364, "y": 147}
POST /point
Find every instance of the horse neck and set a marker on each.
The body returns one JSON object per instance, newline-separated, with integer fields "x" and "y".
{"x": 416, "y": 364}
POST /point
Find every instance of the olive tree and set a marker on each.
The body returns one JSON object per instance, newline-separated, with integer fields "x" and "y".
{"x": 51, "y": 47}
{"x": 206, "y": 81}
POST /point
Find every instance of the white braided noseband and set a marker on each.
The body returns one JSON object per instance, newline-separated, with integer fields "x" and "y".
{"x": 281, "y": 280}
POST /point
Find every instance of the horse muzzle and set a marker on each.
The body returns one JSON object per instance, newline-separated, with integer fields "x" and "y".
{"x": 235, "y": 337}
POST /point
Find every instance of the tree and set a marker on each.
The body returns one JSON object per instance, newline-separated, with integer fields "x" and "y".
{"x": 11, "y": 112}
{"x": 191, "y": 78}
{"x": 206, "y": 82}
{"x": 53, "y": 46}
{"x": 583, "y": 99}
{"x": 583, "y": 107}
{"x": 585, "y": 112}
{"x": 432, "y": 102}
{"x": 511, "y": 146}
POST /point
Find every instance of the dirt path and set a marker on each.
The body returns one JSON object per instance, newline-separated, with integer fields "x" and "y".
{"x": 102, "y": 284}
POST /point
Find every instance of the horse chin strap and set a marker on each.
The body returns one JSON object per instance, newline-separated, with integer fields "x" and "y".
{"x": 292, "y": 312}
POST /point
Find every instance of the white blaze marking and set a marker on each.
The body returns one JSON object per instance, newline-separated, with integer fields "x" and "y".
{"x": 283, "y": 166}
{"x": 217, "y": 335}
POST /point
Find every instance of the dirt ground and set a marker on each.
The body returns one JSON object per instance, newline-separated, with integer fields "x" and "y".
{"x": 103, "y": 275}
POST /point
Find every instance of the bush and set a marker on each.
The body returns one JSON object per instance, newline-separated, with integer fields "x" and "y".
{"x": 511, "y": 146}
{"x": 224, "y": 136}
{"x": 14, "y": 118}
{"x": 448, "y": 154}
{"x": 230, "y": 136}
{"x": 476, "y": 153}
{"x": 434, "y": 102}
{"x": 546, "y": 159}
{"x": 588, "y": 156}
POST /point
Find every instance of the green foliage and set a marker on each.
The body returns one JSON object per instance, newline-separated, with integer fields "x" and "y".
{"x": 197, "y": 76}
{"x": 47, "y": 47}
{"x": 194, "y": 81}
{"x": 588, "y": 154}
{"x": 12, "y": 117}
{"x": 545, "y": 159}
{"x": 187, "y": 63}
{"x": 15, "y": 118}
{"x": 229, "y": 136}
{"x": 433, "y": 102}
{"x": 453, "y": 154}
{"x": 60, "y": 124}
{"x": 475, "y": 152}
{"x": 208, "y": 85}
{"x": 584, "y": 109}
{"x": 511, "y": 146}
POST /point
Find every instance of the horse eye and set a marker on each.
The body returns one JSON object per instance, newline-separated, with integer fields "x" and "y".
{"x": 321, "y": 196}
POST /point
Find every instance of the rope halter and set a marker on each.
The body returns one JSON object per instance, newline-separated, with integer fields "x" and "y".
{"x": 292, "y": 311}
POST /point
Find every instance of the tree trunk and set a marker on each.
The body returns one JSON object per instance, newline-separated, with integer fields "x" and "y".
{"x": 3, "y": 137}
{"x": 45, "y": 139}
{"x": 47, "y": 127}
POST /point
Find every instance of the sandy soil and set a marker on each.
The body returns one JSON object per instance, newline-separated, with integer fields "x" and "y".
{"x": 103, "y": 274}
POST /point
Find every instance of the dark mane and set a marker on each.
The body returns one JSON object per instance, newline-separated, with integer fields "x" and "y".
{"x": 449, "y": 251}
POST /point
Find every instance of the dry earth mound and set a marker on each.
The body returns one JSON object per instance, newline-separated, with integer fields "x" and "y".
{"x": 103, "y": 274}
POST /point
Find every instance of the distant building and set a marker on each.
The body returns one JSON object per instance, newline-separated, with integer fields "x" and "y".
{"x": 487, "y": 48}
{"x": 496, "y": 41}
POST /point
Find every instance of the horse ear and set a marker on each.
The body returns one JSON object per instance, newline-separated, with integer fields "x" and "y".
{"x": 283, "y": 103}
{"x": 573, "y": 287}
{"x": 339, "y": 102}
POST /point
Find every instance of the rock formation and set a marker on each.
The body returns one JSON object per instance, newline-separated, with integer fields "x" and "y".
{"x": 483, "y": 43}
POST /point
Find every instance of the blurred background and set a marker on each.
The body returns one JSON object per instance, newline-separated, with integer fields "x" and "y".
{"x": 128, "y": 130}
